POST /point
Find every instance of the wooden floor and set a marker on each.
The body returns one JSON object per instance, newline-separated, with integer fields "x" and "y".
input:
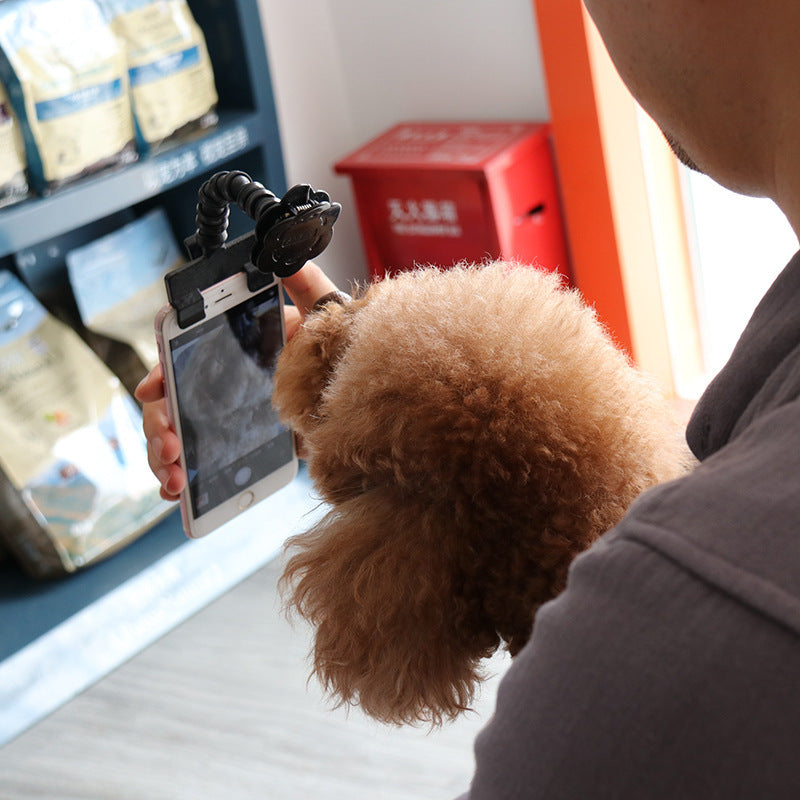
{"x": 220, "y": 709}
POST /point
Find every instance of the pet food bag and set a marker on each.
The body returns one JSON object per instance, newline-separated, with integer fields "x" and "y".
{"x": 67, "y": 79}
{"x": 75, "y": 484}
{"x": 118, "y": 281}
{"x": 171, "y": 79}
{"x": 13, "y": 183}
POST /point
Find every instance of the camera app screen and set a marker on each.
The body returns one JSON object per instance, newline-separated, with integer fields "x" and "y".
{"x": 224, "y": 372}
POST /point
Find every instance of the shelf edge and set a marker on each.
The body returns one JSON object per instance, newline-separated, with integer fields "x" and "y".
{"x": 57, "y": 666}
{"x": 41, "y": 218}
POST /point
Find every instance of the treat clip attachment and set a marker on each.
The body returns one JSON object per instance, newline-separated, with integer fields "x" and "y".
{"x": 288, "y": 232}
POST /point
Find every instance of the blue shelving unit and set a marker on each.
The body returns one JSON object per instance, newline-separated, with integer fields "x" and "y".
{"x": 58, "y": 637}
{"x": 34, "y": 238}
{"x": 35, "y": 234}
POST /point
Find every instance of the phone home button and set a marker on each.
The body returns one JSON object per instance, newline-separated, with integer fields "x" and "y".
{"x": 246, "y": 500}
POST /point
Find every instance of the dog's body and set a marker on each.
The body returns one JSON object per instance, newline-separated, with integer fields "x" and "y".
{"x": 473, "y": 430}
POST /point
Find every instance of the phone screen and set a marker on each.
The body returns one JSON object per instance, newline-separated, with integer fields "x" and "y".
{"x": 224, "y": 370}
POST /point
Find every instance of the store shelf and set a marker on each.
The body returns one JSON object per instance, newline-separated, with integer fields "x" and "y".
{"x": 59, "y": 637}
{"x": 27, "y": 223}
{"x": 35, "y": 234}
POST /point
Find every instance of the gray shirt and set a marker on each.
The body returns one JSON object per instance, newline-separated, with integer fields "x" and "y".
{"x": 670, "y": 666}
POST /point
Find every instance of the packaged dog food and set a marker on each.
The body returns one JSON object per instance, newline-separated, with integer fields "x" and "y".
{"x": 13, "y": 183}
{"x": 118, "y": 281}
{"x": 172, "y": 82}
{"x": 74, "y": 481}
{"x": 65, "y": 73}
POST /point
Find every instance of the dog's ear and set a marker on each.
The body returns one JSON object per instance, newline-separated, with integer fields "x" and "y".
{"x": 379, "y": 580}
{"x": 307, "y": 362}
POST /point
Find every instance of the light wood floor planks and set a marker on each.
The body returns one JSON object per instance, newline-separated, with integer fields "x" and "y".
{"x": 220, "y": 709}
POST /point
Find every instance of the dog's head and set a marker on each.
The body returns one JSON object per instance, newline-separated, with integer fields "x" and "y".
{"x": 473, "y": 430}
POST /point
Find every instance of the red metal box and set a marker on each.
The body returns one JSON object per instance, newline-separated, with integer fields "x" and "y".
{"x": 440, "y": 193}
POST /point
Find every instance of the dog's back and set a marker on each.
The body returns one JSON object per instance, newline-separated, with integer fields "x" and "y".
{"x": 475, "y": 430}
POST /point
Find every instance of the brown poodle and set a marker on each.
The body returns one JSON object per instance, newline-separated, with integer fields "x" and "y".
{"x": 473, "y": 430}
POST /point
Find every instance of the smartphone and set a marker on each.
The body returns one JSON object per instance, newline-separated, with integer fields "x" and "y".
{"x": 218, "y": 379}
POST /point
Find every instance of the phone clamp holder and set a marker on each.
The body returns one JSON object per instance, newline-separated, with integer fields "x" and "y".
{"x": 289, "y": 231}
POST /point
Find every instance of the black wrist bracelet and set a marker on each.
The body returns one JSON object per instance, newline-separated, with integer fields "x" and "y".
{"x": 342, "y": 298}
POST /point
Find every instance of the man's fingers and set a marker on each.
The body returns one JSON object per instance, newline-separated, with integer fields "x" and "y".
{"x": 293, "y": 320}
{"x": 307, "y": 286}
{"x": 151, "y": 387}
{"x": 172, "y": 480}
{"x": 161, "y": 438}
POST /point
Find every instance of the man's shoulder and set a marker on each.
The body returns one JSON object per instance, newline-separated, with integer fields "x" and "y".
{"x": 735, "y": 520}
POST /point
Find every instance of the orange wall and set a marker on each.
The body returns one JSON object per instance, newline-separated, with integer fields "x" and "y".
{"x": 583, "y": 175}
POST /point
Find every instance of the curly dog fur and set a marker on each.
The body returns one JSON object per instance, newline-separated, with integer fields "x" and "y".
{"x": 473, "y": 430}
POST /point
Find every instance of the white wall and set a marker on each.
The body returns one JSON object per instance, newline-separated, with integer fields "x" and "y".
{"x": 345, "y": 70}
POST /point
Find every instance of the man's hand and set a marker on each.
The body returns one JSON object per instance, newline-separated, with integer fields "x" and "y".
{"x": 163, "y": 446}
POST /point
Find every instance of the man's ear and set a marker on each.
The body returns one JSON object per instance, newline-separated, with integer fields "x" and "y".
{"x": 307, "y": 362}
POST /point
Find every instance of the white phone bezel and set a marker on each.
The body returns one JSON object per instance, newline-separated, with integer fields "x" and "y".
{"x": 218, "y": 299}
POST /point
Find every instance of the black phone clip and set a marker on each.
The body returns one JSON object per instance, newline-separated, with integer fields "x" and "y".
{"x": 288, "y": 232}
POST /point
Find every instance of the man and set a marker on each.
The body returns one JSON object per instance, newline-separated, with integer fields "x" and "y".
{"x": 670, "y": 666}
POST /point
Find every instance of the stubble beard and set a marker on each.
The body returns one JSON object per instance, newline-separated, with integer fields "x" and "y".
{"x": 680, "y": 153}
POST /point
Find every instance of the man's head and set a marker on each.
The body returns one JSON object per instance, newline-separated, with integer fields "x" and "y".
{"x": 720, "y": 77}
